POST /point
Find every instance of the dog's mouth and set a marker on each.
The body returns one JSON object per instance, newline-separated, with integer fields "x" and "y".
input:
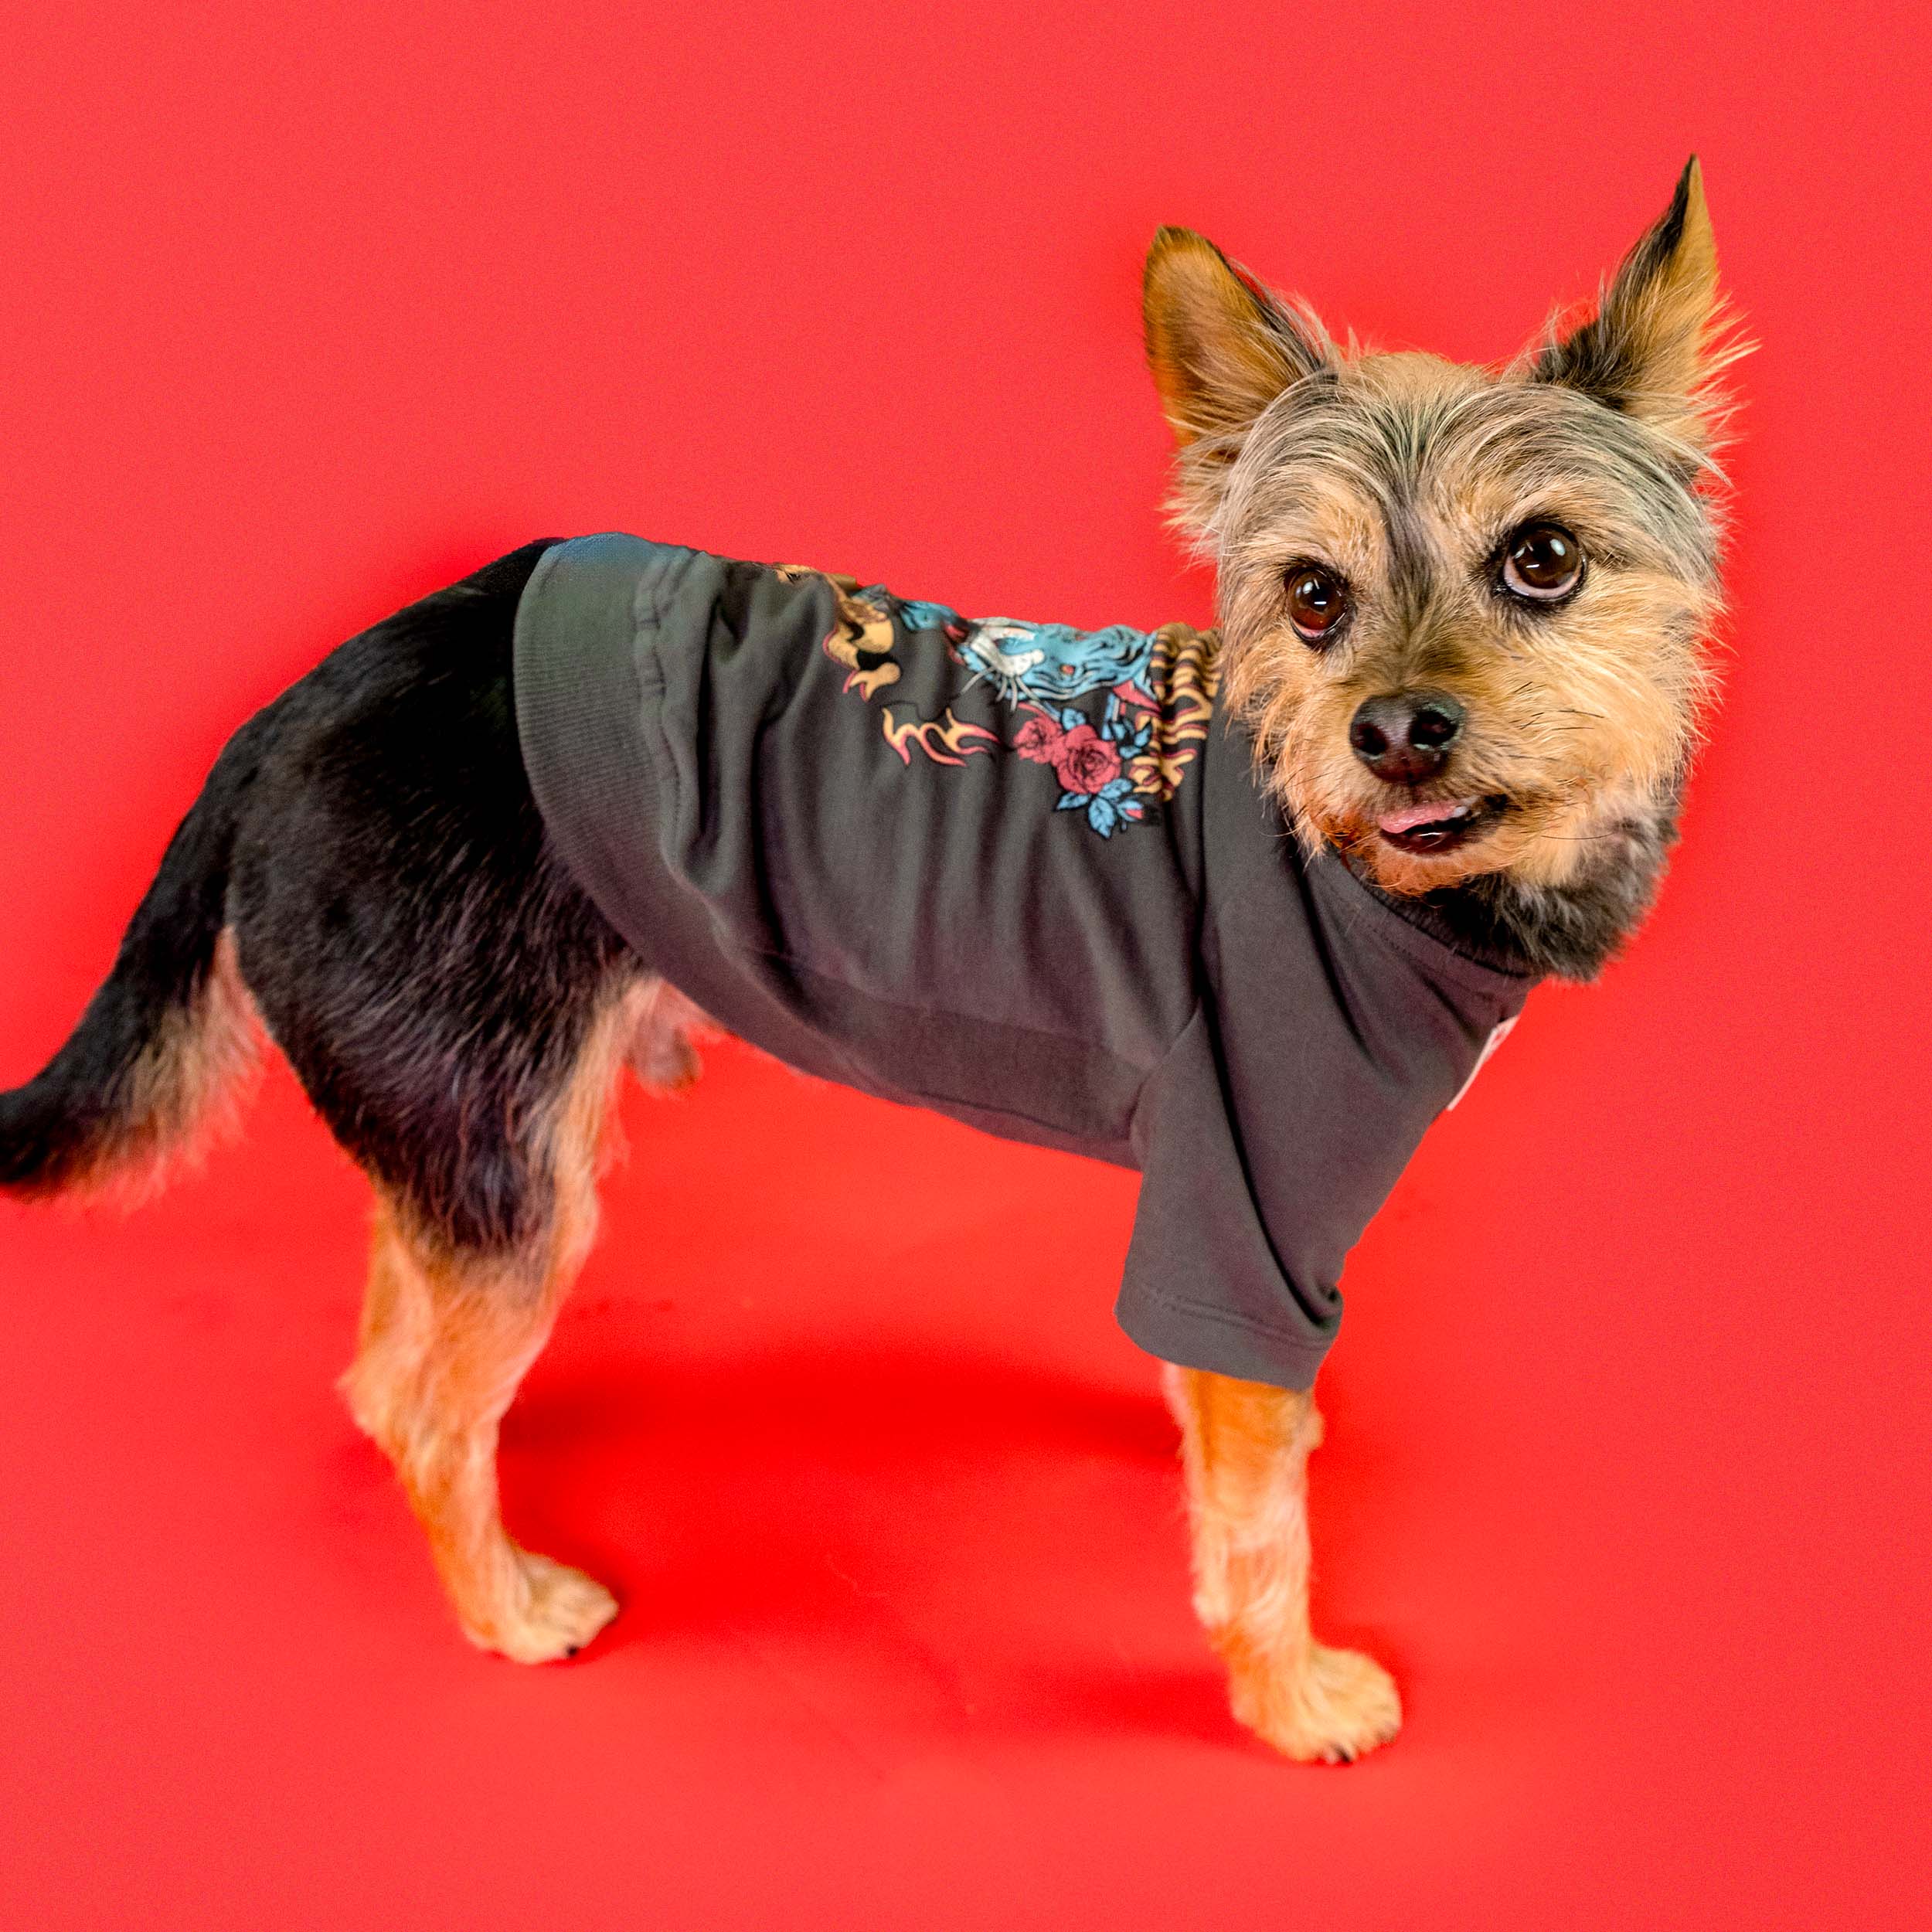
{"x": 1440, "y": 826}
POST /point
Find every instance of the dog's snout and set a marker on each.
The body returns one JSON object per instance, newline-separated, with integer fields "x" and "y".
{"x": 1404, "y": 736}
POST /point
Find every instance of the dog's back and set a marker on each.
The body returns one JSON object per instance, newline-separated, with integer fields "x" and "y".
{"x": 366, "y": 877}
{"x": 370, "y": 829}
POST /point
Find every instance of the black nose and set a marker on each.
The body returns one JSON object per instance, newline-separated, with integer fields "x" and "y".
{"x": 1404, "y": 737}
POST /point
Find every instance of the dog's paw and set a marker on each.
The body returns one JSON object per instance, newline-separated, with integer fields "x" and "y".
{"x": 1339, "y": 1705}
{"x": 555, "y": 1610}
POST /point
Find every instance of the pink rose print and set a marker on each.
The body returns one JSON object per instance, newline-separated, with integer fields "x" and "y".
{"x": 1039, "y": 739}
{"x": 1085, "y": 761}
{"x": 1089, "y": 763}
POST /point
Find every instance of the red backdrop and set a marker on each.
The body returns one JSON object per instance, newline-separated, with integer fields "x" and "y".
{"x": 310, "y": 308}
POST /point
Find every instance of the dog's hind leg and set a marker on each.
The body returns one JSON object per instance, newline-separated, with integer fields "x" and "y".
{"x": 447, "y": 1334}
{"x": 445, "y": 1343}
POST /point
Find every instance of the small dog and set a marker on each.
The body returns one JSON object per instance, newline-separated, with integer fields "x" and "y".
{"x": 1462, "y": 653}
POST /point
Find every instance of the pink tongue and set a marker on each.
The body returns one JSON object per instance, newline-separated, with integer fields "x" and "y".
{"x": 1414, "y": 815}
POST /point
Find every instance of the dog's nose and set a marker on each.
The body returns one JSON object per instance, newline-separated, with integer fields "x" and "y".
{"x": 1404, "y": 736}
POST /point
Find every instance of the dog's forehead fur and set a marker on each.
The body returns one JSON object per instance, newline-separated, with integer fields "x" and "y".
{"x": 1404, "y": 471}
{"x": 1406, "y": 474}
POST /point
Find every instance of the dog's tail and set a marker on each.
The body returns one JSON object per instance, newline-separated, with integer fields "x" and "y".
{"x": 169, "y": 1035}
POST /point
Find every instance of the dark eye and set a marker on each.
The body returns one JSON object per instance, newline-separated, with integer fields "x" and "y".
{"x": 1317, "y": 600}
{"x": 1542, "y": 562}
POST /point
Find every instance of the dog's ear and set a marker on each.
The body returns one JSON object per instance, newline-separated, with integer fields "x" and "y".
{"x": 1655, "y": 344}
{"x": 1222, "y": 348}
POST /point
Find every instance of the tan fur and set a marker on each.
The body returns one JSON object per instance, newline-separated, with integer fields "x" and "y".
{"x": 1285, "y": 448}
{"x": 665, "y": 1026}
{"x": 1221, "y": 347}
{"x": 1404, "y": 476}
{"x": 444, "y": 1344}
{"x": 1681, "y": 331}
{"x": 1244, "y": 1451}
{"x": 184, "y": 1092}
{"x": 1572, "y": 718}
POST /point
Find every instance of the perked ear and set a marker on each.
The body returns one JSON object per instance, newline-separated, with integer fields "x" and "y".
{"x": 1652, "y": 349}
{"x": 1222, "y": 346}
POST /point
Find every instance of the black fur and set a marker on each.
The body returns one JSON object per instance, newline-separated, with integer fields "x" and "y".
{"x": 414, "y": 947}
{"x": 1572, "y": 930}
{"x": 1602, "y": 359}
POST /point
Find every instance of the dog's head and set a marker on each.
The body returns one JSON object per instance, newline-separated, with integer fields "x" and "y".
{"x": 1465, "y": 609}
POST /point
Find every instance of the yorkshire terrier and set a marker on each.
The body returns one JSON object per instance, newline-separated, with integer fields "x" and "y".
{"x": 1243, "y": 909}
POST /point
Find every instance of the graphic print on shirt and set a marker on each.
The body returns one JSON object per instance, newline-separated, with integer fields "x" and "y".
{"x": 1117, "y": 714}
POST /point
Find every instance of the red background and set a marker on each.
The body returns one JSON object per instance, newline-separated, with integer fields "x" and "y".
{"x": 309, "y": 309}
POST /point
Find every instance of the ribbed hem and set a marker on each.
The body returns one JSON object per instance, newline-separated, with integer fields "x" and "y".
{"x": 579, "y": 715}
{"x": 1192, "y": 1336}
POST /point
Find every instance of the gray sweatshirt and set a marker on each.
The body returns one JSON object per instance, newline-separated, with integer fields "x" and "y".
{"x": 1019, "y": 874}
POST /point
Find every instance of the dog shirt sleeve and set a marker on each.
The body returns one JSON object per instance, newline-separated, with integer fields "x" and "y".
{"x": 1333, "y": 1031}
{"x": 1204, "y": 1284}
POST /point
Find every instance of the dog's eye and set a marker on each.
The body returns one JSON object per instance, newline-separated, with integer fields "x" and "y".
{"x": 1317, "y": 600}
{"x": 1543, "y": 562}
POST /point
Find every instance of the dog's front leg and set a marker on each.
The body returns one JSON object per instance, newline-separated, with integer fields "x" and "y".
{"x": 1245, "y": 1447}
